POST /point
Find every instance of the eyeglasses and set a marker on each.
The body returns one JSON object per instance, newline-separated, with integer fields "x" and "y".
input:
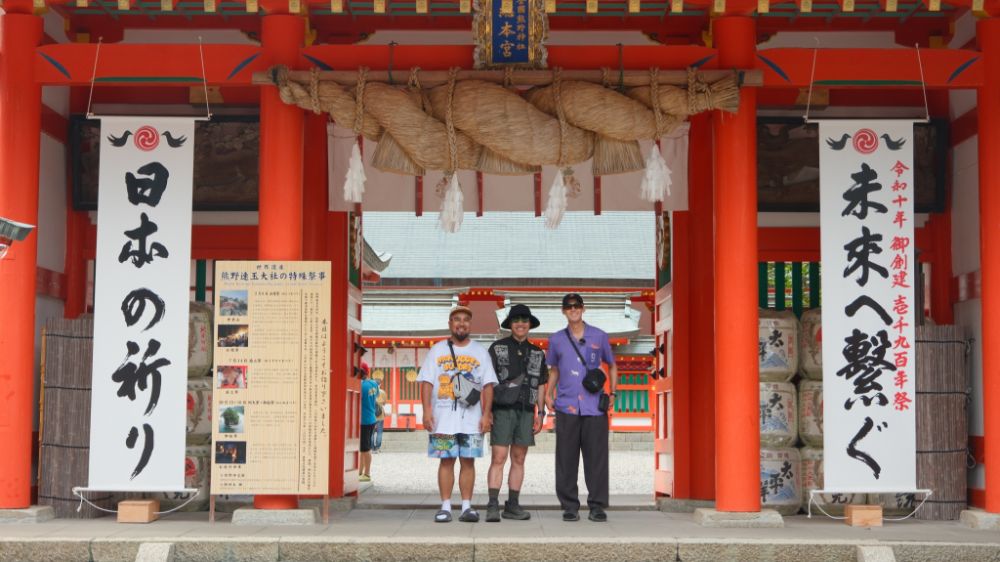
{"x": 573, "y": 305}
{"x": 516, "y": 319}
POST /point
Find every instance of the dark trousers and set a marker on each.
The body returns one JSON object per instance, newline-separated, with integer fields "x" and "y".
{"x": 587, "y": 435}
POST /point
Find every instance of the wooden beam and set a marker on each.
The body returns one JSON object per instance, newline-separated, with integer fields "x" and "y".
{"x": 431, "y": 78}
{"x": 71, "y": 64}
{"x": 839, "y": 68}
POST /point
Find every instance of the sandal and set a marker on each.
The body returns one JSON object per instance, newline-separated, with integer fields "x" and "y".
{"x": 469, "y": 516}
{"x": 442, "y": 516}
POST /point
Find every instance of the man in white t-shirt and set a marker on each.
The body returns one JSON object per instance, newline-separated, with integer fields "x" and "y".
{"x": 456, "y": 429}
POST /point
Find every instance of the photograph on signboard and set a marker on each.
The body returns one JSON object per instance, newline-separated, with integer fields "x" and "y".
{"x": 231, "y": 452}
{"x": 231, "y": 376}
{"x": 233, "y": 303}
{"x": 234, "y": 335}
{"x": 231, "y": 418}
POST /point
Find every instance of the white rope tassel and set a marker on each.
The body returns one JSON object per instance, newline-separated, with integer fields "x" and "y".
{"x": 656, "y": 180}
{"x": 452, "y": 209}
{"x": 556, "y": 206}
{"x": 354, "y": 181}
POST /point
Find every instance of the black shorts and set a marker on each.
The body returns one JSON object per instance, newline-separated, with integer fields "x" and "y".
{"x": 366, "y": 437}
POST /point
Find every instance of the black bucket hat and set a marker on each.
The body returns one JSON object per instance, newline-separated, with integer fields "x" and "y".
{"x": 520, "y": 310}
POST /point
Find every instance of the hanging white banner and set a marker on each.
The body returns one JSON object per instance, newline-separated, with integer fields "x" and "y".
{"x": 869, "y": 271}
{"x": 142, "y": 287}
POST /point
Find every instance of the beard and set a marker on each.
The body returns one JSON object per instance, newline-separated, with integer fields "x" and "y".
{"x": 460, "y": 337}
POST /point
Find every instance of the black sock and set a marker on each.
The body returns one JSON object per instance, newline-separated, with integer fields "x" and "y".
{"x": 494, "y": 495}
{"x": 513, "y": 495}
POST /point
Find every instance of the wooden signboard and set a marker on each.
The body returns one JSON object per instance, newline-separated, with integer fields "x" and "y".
{"x": 271, "y": 424}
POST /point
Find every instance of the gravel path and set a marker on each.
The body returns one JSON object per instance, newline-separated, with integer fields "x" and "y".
{"x": 415, "y": 473}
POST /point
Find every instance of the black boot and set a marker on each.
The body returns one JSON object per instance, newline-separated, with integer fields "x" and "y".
{"x": 493, "y": 512}
{"x": 513, "y": 510}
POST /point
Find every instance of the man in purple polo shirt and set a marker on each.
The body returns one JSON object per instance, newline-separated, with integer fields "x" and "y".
{"x": 580, "y": 424}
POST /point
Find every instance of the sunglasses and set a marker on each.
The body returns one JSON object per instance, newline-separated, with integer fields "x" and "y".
{"x": 515, "y": 319}
{"x": 573, "y": 305}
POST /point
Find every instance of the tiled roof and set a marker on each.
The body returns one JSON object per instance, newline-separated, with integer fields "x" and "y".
{"x": 610, "y": 312}
{"x": 419, "y": 312}
{"x": 504, "y": 245}
{"x": 407, "y": 313}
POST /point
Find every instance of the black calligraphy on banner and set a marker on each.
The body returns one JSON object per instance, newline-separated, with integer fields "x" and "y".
{"x": 134, "y": 306}
{"x": 140, "y": 254}
{"x": 865, "y": 355}
{"x": 131, "y": 376}
{"x": 147, "y": 446}
{"x": 144, "y": 187}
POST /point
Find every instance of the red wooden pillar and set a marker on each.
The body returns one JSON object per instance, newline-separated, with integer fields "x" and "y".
{"x": 702, "y": 324}
{"x": 315, "y": 196}
{"x": 737, "y": 424}
{"x": 20, "y": 130}
{"x": 281, "y": 131}
{"x": 988, "y": 32}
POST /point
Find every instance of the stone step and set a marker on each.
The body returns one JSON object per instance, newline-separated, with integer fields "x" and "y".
{"x": 414, "y": 441}
{"x": 324, "y": 546}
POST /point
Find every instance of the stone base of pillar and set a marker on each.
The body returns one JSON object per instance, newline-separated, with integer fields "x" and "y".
{"x": 671, "y": 505}
{"x": 977, "y": 519}
{"x": 765, "y": 518}
{"x": 33, "y": 514}
{"x": 252, "y": 516}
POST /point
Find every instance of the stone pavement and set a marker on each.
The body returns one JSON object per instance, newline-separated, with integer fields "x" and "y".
{"x": 412, "y": 472}
{"x": 408, "y": 534}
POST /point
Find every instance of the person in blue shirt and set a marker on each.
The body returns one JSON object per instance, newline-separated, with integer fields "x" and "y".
{"x": 369, "y": 391}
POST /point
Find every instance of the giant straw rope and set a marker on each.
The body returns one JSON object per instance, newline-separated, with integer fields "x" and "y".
{"x": 494, "y": 128}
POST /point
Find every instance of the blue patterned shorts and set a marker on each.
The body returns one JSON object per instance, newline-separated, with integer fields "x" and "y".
{"x": 460, "y": 445}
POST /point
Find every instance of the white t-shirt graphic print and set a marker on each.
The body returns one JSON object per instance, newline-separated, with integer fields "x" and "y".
{"x": 438, "y": 368}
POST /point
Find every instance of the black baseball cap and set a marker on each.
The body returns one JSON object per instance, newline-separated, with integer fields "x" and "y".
{"x": 572, "y": 298}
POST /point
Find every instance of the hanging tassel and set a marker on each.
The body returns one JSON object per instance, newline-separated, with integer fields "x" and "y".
{"x": 451, "y": 207}
{"x": 656, "y": 180}
{"x": 556, "y": 206}
{"x": 354, "y": 181}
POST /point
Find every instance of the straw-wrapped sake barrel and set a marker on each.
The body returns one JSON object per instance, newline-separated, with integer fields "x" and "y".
{"x": 812, "y": 479}
{"x": 781, "y": 480}
{"x": 199, "y": 411}
{"x": 197, "y": 468}
{"x": 811, "y": 344}
{"x": 811, "y": 412}
{"x": 200, "y": 344}
{"x": 778, "y": 342}
{"x": 778, "y": 422}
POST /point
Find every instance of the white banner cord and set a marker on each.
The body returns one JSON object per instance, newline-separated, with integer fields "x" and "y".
{"x": 819, "y": 506}
{"x": 79, "y": 493}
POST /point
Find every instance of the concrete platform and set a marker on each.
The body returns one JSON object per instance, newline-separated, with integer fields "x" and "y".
{"x": 407, "y": 534}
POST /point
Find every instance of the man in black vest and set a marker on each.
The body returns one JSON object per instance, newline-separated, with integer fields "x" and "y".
{"x": 522, "y": 372}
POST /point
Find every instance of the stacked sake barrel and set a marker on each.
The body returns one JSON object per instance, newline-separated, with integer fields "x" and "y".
{"x": 197, "y": 453}
{"x": 810, "y": 414}
{"x": 780, "y": 467}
